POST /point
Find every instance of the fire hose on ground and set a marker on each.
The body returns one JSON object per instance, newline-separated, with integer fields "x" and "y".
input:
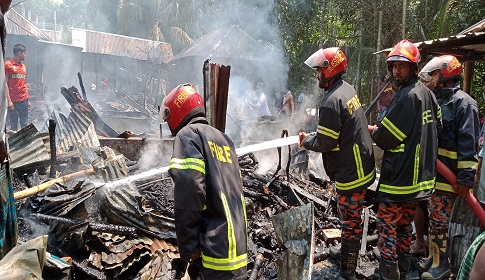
{"x": 470, "y": 199}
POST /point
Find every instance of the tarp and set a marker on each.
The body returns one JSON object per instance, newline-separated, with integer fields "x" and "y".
{"x": 25, "y": 261}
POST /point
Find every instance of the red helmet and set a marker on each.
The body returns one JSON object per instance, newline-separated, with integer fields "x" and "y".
{"x": 180, "y": 106}
{"x": 332, "y": 61}
{"x": 404, "y": 51}
{"x": 453, "y": 69}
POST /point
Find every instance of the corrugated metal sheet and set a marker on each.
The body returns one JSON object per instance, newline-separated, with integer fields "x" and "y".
{"x": 27, "y": 147}
{"x": 226, "y": 42}
{"x": 114, "y": 44}
{"x": 76, "y": 131}
{"x": 18, "y": 25}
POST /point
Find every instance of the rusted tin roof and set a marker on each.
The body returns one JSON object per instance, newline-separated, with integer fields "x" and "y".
{"x": 466, "y": 47}
{"x": 18, "y": 25}
{"x": 114, "y": 44}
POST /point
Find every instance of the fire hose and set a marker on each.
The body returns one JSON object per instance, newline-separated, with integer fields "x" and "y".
{"x": 470, "y": 199}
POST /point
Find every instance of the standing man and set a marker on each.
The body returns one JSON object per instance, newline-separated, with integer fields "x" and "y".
{"x": 284, "y": 103}
{"x": 457, "y": 149}
{"x": 408, "y": 136}
{"x": 343, "y": 139}
{"x": 210, "y": 214}
{"x": 15, "y": 71}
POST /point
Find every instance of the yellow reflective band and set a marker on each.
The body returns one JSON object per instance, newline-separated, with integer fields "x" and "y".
{"x": 447, "y": 153}
{"x": 355, "y": 184}
{"x": 444, "y": 187}
{"x": 336, "y": 149}
{"x": 328, "y": 132}
{"x": 398, "y": 149}
{"x": 439, "y": 113}
{"x": 467, "y": 164}
{"x": 416, "y": 165}
{"x": 187, "y": 163}
{"x": 422, "y": 186}
{"x": 204, "y": 207}
{"x": 358, "y": 161}
{"x": 245, "y": 215}
{"x": 231, "y": 236}
{"x": 393, "y": 129}
{"x": 225, "y": 264}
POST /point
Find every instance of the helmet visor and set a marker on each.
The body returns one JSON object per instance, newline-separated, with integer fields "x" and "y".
{"x": 398, "y": 58}
{"x": 317, "y": 59}
{"x": 434, "y": 64}
{"x": 425, "y": 76}
{"x": 164, "y": 112}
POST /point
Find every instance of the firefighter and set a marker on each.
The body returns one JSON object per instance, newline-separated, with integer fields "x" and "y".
{"x": 210, "y": 214}
{"x": 407, "y": 134}
{"x": 457, "y": 149}
{"x": 343, "y": 139}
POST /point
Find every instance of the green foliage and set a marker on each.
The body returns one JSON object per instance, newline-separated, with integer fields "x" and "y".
{"x": 304, "y": 26}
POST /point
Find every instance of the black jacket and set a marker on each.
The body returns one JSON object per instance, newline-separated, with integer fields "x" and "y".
{"x": 344, "y": 140}
{"x": 408, "y": 136}
{"x": 210, "y": 213}
{"x": 457, "y": 145}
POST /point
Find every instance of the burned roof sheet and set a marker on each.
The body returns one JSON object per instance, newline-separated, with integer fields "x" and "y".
{"x": 225, "y": 42}
{"x": 77, "y": 130}
{"x": 27, "y": 147}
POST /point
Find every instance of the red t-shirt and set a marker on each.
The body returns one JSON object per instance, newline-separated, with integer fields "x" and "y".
{"x": 16, "y": 82}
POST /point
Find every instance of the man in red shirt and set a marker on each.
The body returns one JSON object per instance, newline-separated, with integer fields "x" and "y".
{"x": 15, "y": 72}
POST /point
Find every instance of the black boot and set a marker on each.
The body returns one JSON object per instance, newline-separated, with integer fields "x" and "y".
{"x": 348, "y": 258}
{"x": 404, "y": 264}
{"x": 388, "y": 270}
{"x": 440, "y": 269}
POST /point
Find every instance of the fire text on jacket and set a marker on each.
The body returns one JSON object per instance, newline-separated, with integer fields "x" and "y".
{"x": 220, "y": 153}
{"x": 427, "y": 117}
{"x": 353, "y": 104}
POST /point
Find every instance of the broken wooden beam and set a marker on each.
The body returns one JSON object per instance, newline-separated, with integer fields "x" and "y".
{"x": 294, "y": 230}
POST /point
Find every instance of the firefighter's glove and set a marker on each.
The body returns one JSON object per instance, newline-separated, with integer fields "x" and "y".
{"x": 178, "y": 269}
{"x": 195, "y": 268}
{"x": 462, "y": 190}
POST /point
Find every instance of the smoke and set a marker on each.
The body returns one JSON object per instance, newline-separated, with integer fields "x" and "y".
{"x": 155, "y": 154}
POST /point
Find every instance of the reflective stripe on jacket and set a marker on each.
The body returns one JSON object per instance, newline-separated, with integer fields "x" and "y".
{"x": 408, "y": 136}
{"x": 458, "y": 140}
{"x": 210, "y": 213}
{"x": 344, "y": 140}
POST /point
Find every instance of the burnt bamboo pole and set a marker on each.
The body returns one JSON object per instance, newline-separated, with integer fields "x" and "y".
{"x": 42, "y": 187}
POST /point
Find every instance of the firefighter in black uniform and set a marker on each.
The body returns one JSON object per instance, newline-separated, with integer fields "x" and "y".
{"x": 408, "y": 136}
{"x": 210, "y": 214}
{"x": 457, "y": 149}
{"x": 343, "y": 139}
